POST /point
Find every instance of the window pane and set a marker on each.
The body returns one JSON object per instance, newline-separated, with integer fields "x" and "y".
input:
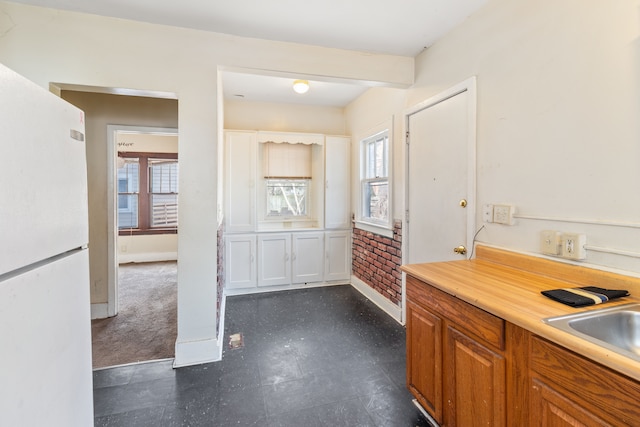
{"x": 287, "y": 197}
{"x": 376, "y": 157}
{"x": 128, "y": 215}
{"x": 163, "y": 176}
{"x": 164, "y": 210}
{"x": 376, "y": 200}
{"x": 128, "y": 188}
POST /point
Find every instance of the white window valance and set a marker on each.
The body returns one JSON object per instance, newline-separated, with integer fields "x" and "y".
{"x": 290, "y": 138}
{"x": 284, "y": 160}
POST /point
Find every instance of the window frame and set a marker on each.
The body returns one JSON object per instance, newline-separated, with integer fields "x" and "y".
{"x": 144, "y": 195}
{"x": 384, "y": 226}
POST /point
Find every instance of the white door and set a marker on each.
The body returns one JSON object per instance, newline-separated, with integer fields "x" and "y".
{"x": 337, "y": 255}
{"x": 441, "y": 176}
{"x": 274, "y": 259}
{"x": 240, "y": 261}
{"x": 307, "y": 264}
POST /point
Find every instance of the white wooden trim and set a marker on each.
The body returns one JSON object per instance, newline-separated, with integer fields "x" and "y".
{"x": 99, "y": 311}
{"x": 372, "y": 295}
{"x": 196, "y": 352}
{"x": 112, "y": 217}
{"x": 148, "y": 257}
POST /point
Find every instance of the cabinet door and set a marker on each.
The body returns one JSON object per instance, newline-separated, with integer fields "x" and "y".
{"x": 274, "y": 259}
{"x": 475, "y": 384}
{"x": 424, "y": 359}
{"x": 240, "y": 261}
{"x": 549, "y": 408}
{"x": 240, "y": 174}
{"x": 307, "y": 257}
{"x": 337, "y": 182}
{"x": 337, "y": 255}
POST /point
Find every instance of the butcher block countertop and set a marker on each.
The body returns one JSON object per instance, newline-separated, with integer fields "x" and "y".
{"x": 508, "y": 285}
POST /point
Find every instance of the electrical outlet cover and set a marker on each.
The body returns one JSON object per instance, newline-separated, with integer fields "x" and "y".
{"x": 573, "y": 245}
{"x": 503, "y": 214}
{"x": 487, "y": 213}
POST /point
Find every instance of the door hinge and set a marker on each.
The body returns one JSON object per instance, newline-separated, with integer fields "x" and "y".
{"x": 406, "y": 215}
{"x": 407, "y": 137}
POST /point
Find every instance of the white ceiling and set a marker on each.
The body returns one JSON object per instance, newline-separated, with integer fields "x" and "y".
{"x": 397, "y": 27}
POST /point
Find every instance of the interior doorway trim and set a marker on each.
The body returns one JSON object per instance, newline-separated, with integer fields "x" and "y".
{"x": 468, "y": 86}
{"x": 112, "y": 217}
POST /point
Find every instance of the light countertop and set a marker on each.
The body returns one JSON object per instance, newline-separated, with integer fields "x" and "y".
{"x": 508, "y": 285}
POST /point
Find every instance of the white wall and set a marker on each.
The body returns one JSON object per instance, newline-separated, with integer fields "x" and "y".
{"x": 57, "y": 46}
{"x": 557, "y": 123}
{"x": 378, "y": 106}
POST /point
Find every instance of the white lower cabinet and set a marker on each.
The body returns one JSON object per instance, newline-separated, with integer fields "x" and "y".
{"x": 279, "y": 259}
{"x": 274, "y": 259}
{"x": 307, "y": 259}
{"x": 337, "y": 264}
{"x": 240, "y": 261}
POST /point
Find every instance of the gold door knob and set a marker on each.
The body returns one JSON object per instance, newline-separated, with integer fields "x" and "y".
{"x": 463, "y": 203}
{"x": 460, "y": 250}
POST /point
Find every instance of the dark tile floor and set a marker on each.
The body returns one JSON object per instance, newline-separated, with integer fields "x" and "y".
{"x": 312, "y": 357}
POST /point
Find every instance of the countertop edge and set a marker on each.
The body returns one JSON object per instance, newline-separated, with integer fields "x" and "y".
{"x": 502, "y": 285}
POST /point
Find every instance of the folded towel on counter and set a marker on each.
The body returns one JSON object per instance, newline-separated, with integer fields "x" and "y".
{"x": 588, "y": 295}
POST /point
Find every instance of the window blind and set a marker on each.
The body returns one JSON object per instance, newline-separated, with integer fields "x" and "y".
{"x": 285, "y": 160}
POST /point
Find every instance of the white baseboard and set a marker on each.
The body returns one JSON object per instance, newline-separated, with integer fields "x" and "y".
{"x": 196, "y": 352}
{"x": 375, "y": 297}
{"x": 99, "y": 311}
{"x": 125, "y": 258}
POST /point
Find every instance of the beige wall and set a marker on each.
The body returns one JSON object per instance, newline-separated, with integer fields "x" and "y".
{"x": 245, "y": 115}
{"x": 147, "y": 248}
{"x": 557, "y": 118}
{"x": 48, "y": 45}
{"x": 102, "y": 110}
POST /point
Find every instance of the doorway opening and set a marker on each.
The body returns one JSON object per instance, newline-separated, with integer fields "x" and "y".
{"x": 143, "y": 220}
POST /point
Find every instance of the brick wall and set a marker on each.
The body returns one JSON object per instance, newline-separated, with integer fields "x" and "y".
{"x": 376, "y": 260}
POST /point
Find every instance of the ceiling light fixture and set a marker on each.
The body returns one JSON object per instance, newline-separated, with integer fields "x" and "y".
{"x": 301, "y": 86}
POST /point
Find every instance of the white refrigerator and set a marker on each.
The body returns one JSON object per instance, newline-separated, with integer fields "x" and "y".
{"x": 45, "y": 325}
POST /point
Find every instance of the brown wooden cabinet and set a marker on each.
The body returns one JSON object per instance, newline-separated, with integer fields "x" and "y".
{"x": 474, "y": 390}
{"x": 467, "y": 367}
{"x": 424, "y": 358}
{"x": 455, "y": 358}
{"x": 570, "y": 390}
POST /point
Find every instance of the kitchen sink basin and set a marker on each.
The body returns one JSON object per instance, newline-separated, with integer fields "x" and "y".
{"x": 616, "y": 328}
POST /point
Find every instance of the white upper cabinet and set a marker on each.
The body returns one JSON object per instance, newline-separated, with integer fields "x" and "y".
{"x": 337, "y": 212}
{"x": 240, "y": 181}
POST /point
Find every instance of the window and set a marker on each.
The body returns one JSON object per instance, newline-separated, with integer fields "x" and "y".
{"x": 374, "y": 182}
{"x": 147, "y": 193}
{"x": 287, "y": 197}
{"x": 128, "y": 193}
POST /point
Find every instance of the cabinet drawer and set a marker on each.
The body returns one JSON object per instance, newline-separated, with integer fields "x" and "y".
{"x": 469, "y": 318}
{"x": 587, "y": 383}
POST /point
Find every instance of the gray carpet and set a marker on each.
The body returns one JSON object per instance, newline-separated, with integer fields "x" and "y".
{"x": 145, "y": 327}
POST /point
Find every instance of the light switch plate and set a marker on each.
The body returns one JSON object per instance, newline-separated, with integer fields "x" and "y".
{"x": 550, "y": 242}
